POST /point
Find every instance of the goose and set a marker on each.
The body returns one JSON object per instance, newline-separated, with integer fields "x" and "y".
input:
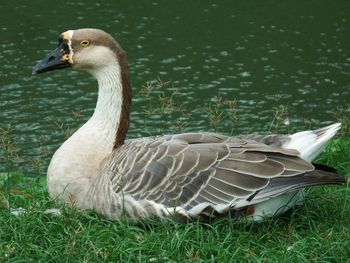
{"x": 187, "y": 176}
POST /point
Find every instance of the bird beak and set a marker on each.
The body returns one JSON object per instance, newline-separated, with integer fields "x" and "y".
{"x": 59, "y": 58}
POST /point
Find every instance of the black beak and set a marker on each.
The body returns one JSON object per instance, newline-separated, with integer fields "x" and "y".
{"x": 57, "y": 59}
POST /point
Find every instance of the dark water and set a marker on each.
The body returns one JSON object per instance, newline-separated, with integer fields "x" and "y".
{"x": 244, "y": 50}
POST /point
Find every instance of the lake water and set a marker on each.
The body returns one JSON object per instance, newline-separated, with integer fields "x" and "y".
{"x": 245, "y": 50}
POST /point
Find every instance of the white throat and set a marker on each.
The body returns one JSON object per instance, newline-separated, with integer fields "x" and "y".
{"x": 106, "y": 118}
{"x": 77, "y": 161}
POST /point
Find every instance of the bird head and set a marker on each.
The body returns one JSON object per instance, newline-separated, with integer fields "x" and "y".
{"x": 86, "y": 49}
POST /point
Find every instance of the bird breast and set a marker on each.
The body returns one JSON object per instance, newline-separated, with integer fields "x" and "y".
{"x": 76, "y": 163}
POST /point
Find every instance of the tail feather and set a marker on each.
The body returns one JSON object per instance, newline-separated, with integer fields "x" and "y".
{"x": 284, "y": 185}
{"x": 323, "y": 167}
{"x": 311, "y": 143}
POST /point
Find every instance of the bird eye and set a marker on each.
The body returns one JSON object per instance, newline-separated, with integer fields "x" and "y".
{"x": 85, "y": 43}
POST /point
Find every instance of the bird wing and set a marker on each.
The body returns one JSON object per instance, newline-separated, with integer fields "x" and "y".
{"x": 189, "y": 169}
{"x": 275, "y": 140}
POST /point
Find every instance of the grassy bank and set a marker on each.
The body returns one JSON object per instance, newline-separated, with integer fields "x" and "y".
{"x": 317, "y": 231}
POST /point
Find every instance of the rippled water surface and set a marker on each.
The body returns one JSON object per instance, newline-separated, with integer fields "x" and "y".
{"x": 244, "y": 50}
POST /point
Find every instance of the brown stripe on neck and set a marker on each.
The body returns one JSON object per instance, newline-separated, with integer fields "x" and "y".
{"x": 126, "y": 98}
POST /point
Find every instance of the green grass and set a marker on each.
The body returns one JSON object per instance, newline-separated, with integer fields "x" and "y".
{"x": 317, "y": 231}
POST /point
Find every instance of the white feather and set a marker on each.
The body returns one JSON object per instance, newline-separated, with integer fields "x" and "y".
{"x": 311, "y": 143}
{"x": 276, "y": 206}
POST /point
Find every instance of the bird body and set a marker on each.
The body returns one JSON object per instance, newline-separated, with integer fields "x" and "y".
{"x": 184, "y": 176}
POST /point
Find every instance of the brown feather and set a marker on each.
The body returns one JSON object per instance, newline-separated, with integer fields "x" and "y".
{"x": 266, "y": 169}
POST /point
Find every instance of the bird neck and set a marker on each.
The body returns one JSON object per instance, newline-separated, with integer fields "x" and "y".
{"x": 112, "y": 112}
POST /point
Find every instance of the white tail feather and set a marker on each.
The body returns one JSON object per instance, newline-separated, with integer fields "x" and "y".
{"x": 311, "y": 143}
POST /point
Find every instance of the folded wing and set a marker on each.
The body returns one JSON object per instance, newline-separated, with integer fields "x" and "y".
{"x": 189, "y": 170}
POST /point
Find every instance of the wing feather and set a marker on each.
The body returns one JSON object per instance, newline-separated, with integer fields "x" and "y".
{"x": 162, "y": 150}
{"x": 190, "y": 169}
{"x": 292, "y": 163}
{"x": 222, "y": 149}
{"x": 243, "y": 181}
{"x": 247, "y": 157}
{"x": 175, "y": 147}
{"x": 214, "y": 196}
{"x": 228, "y": 188}
{"x": 267, "y": 169}
{"x": 191, "y": 159}
{"x": 206, "y": 160}
{"x": 190, "y": 137}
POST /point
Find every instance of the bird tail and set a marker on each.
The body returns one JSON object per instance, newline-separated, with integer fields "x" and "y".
{"x": 311, "y": 143}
